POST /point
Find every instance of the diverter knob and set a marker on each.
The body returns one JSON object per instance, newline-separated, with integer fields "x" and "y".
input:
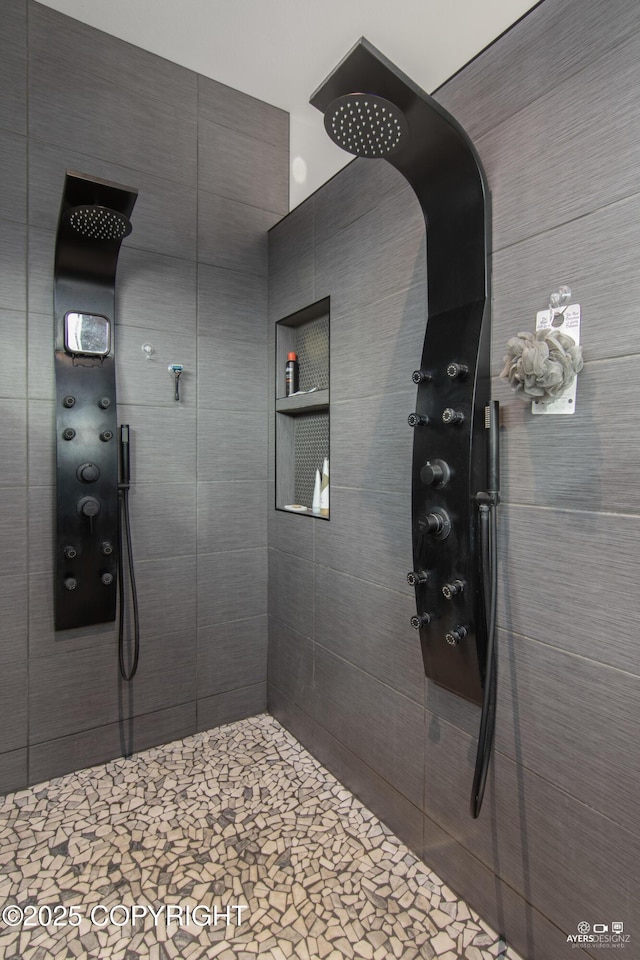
{"x": 435, "y": 473}
{"x": 88, "y": 472}
{"x": 88, "y": 507}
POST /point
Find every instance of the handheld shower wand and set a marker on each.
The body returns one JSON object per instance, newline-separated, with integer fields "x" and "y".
{"x": 125, "y": 536}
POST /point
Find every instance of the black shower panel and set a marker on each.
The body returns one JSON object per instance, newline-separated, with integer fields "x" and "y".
{"x": 94, "y": 219}
{"x": 374, "y": 110}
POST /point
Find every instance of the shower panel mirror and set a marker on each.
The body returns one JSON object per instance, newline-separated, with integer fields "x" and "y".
{"x": 88, "y": 334}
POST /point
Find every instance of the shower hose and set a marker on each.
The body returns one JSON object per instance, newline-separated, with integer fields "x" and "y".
{"x": 488, "y": 503}
{"x": 487, "y": 718}
{"x": 124, "y": 543}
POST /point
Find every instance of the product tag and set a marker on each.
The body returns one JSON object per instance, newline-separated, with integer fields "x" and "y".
{"x": 570, "y": 326}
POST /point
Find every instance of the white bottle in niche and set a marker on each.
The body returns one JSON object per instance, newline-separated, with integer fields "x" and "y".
{"x": 315, "y": 503}
{"x": 324, "y": 489}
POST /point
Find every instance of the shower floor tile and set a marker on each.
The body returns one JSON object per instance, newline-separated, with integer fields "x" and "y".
{"x": 233, "y": 844}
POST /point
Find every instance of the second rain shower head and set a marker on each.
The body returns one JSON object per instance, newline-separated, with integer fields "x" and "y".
{"x": 366, "y": 125}
{"x": 95, "y": 222}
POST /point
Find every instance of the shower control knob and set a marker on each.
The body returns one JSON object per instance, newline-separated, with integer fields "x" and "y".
{"x": 104, "y": 403}
{"x": 88, "y": 472}
{"x": 417, "y": 420}
{"x": 88, "y": 507}
{"x": 70, "y": 583}
{"x": 457, "y": 371}
{"x": 451, "y": 590}
{"x": 417, "y": 578}
{"x": 421, "y": 376}
{"x": 454, "y": 636}
{"x": 106, "y": 578}
{"x": 421, "y": 620}
{"x": 68, "y": 434}
{"x": 452, "y": 416}
{"x": 435, "y": 473}
{"x": 436, "y": 523}
{"x": 107, "y": 548}
{"x": 69, "y": 402}
{"x": 106, "y": 435}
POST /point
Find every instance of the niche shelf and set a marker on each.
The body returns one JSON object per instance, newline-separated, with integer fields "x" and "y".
{"x": 302, "y": 421}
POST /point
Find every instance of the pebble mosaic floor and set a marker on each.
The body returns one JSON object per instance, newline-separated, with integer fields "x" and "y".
{"x": 232, "y": 844}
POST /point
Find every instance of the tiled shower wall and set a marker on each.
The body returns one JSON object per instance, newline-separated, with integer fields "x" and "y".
{"x": 553, "y": 110}
{"x": 211, "y": 167}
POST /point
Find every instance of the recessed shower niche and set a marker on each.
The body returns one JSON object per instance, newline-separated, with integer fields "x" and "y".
{"x": 302, "y": 417}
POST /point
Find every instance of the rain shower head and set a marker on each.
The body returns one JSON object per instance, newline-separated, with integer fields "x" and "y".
{"x": 366, "y": 125}
{"x": 96, "y": 222}
{"x": 395, "y": 120}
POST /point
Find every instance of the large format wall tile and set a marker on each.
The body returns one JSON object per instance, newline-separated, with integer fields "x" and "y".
{"x": 163, "y": 441}
{"x": 13, "y": 703}
{"x": 373, "y": 258}
{"x": 13, "y": 274}
{"x": 596, "y": 255}
{"x": 372, "y": 443}
{"x": 13, "y": 177}
{"x": 368, "y": 625}
{"x": 376, "y": 347}
{"x": 231, "y": 655}
{"x": 231, "y": 305}
{"x": 232, "y": 164}
{"x": 571, "y": 720}
{"x": 156, "y": 291}
{"x": 369, "y": 536}
{"x": 13, "y": 770}
{"x": 231, "y": 108}
{"x": 54, "y": 758}
{"x": 595, "y": 452}
{"x": 527, "y": 824}
{"x": 13, "y": 349}
{"x": 231, "y": 516}
{"x": 13, "y": 62}
{"x": 568, "y": 579}
{"x": 232, "y": 586}
{"x": 232, "y": 447}
{"x": 130, "y": 128}
{"x": 291, "y": 591}
{"x": 290, "y": 664}
{"x": 587, "y": 125}
{"x": 379, "y": 725}
{"x": 537, "y": 54}
{"x": 232, "y": 705}
{"x": 233, "y": 234}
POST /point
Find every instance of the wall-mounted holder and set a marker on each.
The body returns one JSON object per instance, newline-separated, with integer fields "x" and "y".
{"x": 543, "y": 367}
{"x": 94, "y": 219}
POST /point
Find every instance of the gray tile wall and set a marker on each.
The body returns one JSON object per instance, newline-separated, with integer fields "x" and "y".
{"x": 211, "y": 168}
{"x": 553, "y": 112}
